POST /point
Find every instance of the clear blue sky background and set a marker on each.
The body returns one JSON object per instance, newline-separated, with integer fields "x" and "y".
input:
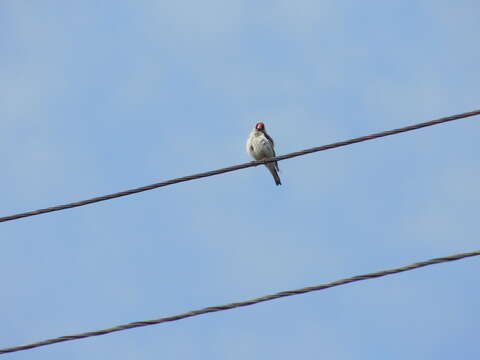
{"x": 98, "y": 97}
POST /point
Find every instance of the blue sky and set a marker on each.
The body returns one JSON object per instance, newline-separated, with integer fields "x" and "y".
{"x": 101, "y": 97}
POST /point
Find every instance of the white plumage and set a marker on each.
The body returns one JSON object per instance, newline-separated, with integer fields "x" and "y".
{"x": 261, "y": 146}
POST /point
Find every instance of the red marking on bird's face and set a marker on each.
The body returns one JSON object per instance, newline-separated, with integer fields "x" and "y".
{"x": 260, "y": 126}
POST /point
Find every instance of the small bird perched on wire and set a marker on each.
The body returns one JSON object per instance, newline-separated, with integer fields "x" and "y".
{"x": 261, "y": 146}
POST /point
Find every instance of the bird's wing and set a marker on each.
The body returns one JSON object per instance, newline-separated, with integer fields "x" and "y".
{"x": 269, "y": 139}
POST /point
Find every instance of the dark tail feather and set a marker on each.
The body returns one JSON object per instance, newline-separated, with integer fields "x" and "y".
{"x": 274, "y": 172}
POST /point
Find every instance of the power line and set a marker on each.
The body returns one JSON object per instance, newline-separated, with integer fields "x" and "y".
{"x": 238, "y": 167}
{"x": 249, "y": 302}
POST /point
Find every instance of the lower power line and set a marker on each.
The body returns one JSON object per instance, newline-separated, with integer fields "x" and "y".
{"x": 242, "y": 303}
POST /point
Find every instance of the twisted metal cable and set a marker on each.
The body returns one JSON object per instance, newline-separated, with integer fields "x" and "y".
{"x": 238, "y": 167}
{"x": 249, "y": 302}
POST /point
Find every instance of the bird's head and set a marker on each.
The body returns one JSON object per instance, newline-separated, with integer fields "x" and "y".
{"x": 260, "y": 126}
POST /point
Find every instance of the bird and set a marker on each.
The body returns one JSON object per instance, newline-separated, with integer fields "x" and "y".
{"x": 261, "y": 146}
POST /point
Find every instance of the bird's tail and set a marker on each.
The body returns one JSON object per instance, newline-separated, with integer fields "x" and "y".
{"x": 273, "y": 167}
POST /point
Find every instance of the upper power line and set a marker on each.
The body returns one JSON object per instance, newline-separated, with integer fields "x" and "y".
{"x": 240, "y": 166}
